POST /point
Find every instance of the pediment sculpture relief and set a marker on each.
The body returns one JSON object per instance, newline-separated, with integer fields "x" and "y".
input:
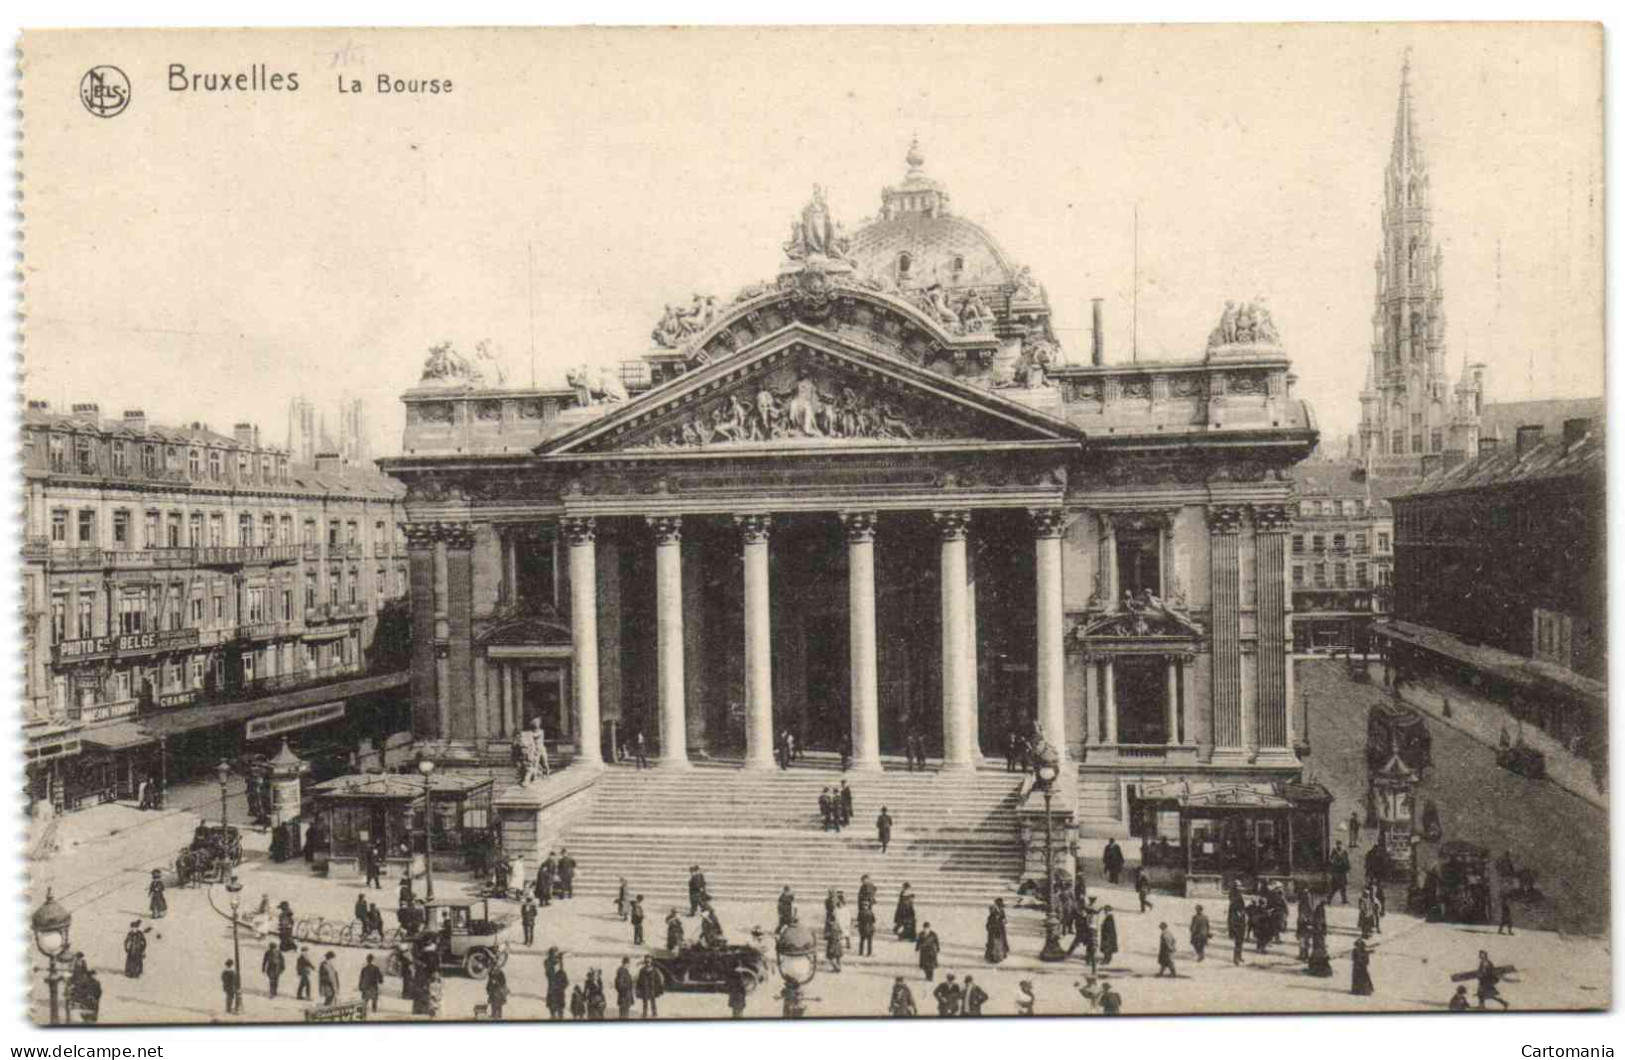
{"x": 1143, "y": 615}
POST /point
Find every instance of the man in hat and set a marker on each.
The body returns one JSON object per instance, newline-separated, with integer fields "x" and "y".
{"x": 625, "y": 989}
{"x": 826, "y": 811}
{"x": 496, "y": 990}
{"x": 949, "y": 996}
{"x": 883, "y": 825}
{"x": 637, "y": 920}
{"x": 674, "y": 930}
{"x": 1340, "y": 873}
{"x": 1112, "y": 859}
{"x": 902, "y": 999}
{"x": 567, "y": 874}
{"x": 1085, "y": 937}
{"x": 544, "y": 880}
{"x": 1111, "y": 1002}
{"x": 371, "y": 983}
{"x": 844, "y": 801}
{"x": 135, "y": 950}
{"x": 272, "y": 964}
{"x": 1201, "y": 931}
{"x": 231, "y": 986}
{"x": 527, "y": 919}
{"x": 1166, "y": 946}
{"x": 327, "y": 978}
{"x": 696, "y": 890}
{"x": 975, "y": 997}
{"x": 155, "y": 895}
{"x": 930, "y": 949}
{"x": 375, "y": 866}
{"x": 406, "y": 896}
{"x": 866, "y": 928}
{"x": 650, "y": 985}
{"x": 90, "y": 997}
{"x": 787, "y": 907}
{"x": 304, "y": 968}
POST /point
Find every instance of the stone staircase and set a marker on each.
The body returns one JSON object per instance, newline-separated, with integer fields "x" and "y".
{"x": 955, "y": 836}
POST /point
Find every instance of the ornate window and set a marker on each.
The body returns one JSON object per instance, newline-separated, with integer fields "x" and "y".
{"x": 904, "y": 263}
{"x": 1139, "y": 561}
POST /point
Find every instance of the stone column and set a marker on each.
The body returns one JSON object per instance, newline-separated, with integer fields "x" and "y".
{"x": 1187, "y": 663}
{"x": 1110, "y": 671}
{"x": 1173, "y": 700}
{"x": 958, "y": 741}
{"x": 973, "y": 662}
{"x": 1271, "y": 525}
{"x": 754, "y": 531}
{"x": 581, "y": 533}
{"x": 865, "y": 667}
{"x": 456, "y": 703}
{"x": 1224, "y": 527}
{"x": 425, "y": 673}
{"x": 1049, "y": 527}
{"x": 668, "y": 533}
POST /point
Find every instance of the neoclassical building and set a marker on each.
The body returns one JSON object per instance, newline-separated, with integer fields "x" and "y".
{"x": 866, "y": 497}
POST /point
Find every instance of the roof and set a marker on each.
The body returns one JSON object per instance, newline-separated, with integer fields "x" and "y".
{"x": 1536, "y": 674}
{"x": 1240, "y": 794}
{"x": 1501, "y": 419}
{"x": 1551, "y": 460}
{"x": 399, "y": 786}
{"x": 188, "y": 719}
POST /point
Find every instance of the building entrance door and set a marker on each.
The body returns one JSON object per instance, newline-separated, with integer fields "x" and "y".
{"x": 829, "y": 685}
{"x": 546, "y": 695}
{"x": 1142, "y": 699}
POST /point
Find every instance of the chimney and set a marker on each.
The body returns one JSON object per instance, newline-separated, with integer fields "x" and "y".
{"x": 87, "y": 408}
{"x": 256, "y": 436}
{"x": 329, "y": 462}
{"x": 1097, "y": 333}
{"x": 135, "y": 419}
{"x": 244, "y": 433}
{"x": 39, "y": 406}
{"x": 1528, "y": 438}
{"x": 1574, "y": 430}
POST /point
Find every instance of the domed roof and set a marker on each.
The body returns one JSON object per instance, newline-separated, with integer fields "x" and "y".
{"x": 918, "y": 242}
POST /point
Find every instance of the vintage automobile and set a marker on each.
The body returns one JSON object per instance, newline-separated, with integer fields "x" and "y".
{"x": 703, "y": 969}
{"x": 1523, "y": 760}
{"x": 214, "y": 851}
{"x": 453, "y": 936}
{"x": 1464, "y": 883}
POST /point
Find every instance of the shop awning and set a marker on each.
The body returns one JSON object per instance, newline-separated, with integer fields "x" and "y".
{"x": 1518, "y": 669}
{"x": 119, "y": 736}
{"x": 190, "y": 719}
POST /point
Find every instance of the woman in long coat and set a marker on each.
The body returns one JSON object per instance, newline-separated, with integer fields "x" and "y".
{"x": 834, "y": 941}
{"x": 284, "y": 926}
{"x": 998, "y": 937}
{"x": 903, "y": 920}
{"x": 1362, "y": 970}
{"x": 1108, "y": 936}
{"x": 155, "y": 894}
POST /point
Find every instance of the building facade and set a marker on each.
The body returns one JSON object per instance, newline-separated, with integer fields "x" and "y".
{"x": 1408, "y": 407}
{"x": 1342, "y": 556}
{"x": 867, "y": 498}
{"x": 1501, "y": 575}
{"x": 189, "y": 591}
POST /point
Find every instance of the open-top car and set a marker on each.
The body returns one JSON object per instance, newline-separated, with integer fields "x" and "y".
{"x": 456, "y": 935}
{"x": 704, "y": 969}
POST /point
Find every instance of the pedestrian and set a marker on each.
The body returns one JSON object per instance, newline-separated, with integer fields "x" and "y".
{"x": 1488, "y": 975}
{"x": 1010, "y": 751}
{"x": 405, "y": 895}
{"x": 558, "y": 984}
{"x": 846, "y": 751}
{"x": 1142, "y": 887}
{"x": 929, "y": 948}
{"x": 371, "y": 983}
{"x": 1458, "y": 1000}
{"x": 1111, "y": 1002}
{"x": 674, "y": 930}
{"x": 90, "y": 997}
{"x": 375, "y": 921}
{"x": 1084, "y": 921}
{"x": 640, "y": 750}
{"x": 998, "y": 934}
{"x": 1361, "y": 983}
{"x": 736, "y": 996}
{"x": 826, "y": 810}
{"x": 360, "y": 911}
{"x": 272, "y": 965}
{"x": 327, "y": 979}
{"x": 1354, "y": 830}
{"x": 135, "y": 950}
{"x": 1506, "y": 912}
{"x": 787, "y": 907}
{"x": 1340, "y": 873}
{"x": 949, "y": 996}
{"x": 284, "y": 927}
{"x": 696, "y": 890}
{"x": 902, "y": 1000}
{"x": 903, "y": 919}
{"x": 636, "y": 914}
{"x": 650, "y": 985}
{"x": 975, "y": 997}
{"x": 231, "y": 986}
{"x": 527, "y": 919}
{"x": 625, "y": 989}
{"x": 834, "y": 943}
{"x": 596, "y": 1004}
{"x": 1200, "y": 933}
{"x": 578, "y": 1003}
{"x": 373, "y": 862}
{"x": 544, "y": 880}
{"x": 496, "y": 990}
{"x": 155, "y": 895}
{"x": 1166, "y": 947}
{"x": 1365, "y": 920}
{"x": 1108, "y": 935}
{"x": 567, "y": 874}
{"x": 791, "y": 752}
{"x": 883, "y": 825}
{"x": 866, "y": 930}
{"x": 434, "y": 992}
{"x": 303, "y": 967}
{"x": 1112, "y": 858}
{"x": 1026, "y": 1000}
{"x": 845, "y": 800}
{"x": 1237, "y": 927}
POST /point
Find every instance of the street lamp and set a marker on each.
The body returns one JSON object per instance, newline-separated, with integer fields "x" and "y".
{"x": 797, "y": 953}
{"x": 1049, "y": 769}
{"x": 51, "y": 922}
{"x": 426, "y": 767}
{"x": 236, "y": 890}
{"x": 223, "y": 773}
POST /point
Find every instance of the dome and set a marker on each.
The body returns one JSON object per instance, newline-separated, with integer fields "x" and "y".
{"x": 917, "y": 241}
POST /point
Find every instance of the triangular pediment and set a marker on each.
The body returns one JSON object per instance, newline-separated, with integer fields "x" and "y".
{"x": 804, "y": 389}
{"x": 1141, "y": 619}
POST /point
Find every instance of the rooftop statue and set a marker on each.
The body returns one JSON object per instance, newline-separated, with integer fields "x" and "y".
{"x": 815, "y": 232}
{"x": 677, "y": 326}
{"x": 1249, "y": 324}
{"x": 446, "y": 367}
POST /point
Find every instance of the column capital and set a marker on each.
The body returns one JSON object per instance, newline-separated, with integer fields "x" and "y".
{"x": 1272, "y": 518}
{"x": 427, "y": 534}
{"x": 953, "y": 524}
{"x": 457, "y": 535}
{"x": 860, "y": 526}
{"x": 1049, "y": 522}
{"x": 1225, "y": 518}
{"x": 421, "y": 535}
{"x": 754, "y": 527}
{"x": 579, "y": 529}
{"x": 668, "y": 529}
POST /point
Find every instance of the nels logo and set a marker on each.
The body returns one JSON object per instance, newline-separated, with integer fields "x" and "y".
{"x": 105, "y": 91}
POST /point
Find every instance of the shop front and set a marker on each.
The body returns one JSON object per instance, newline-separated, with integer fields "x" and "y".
{"x": 1200, "y": 838}
{"x": 355, "y": 813}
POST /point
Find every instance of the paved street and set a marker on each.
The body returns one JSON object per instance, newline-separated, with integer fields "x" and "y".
{"x": 1563, "y": 837}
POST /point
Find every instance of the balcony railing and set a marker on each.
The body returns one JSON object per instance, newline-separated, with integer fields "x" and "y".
{"x": 313, "y": 550}
{"x": 89, "y": 557}
{"x": 236, "y": 555}
{"x": 262, "y": 686}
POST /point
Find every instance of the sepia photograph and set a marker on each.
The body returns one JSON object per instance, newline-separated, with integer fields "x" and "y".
{"x": 698, "y": 524}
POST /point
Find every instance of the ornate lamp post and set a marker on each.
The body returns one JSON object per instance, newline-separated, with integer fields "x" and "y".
{"x": 1049, "y": 768}
{"x": 797, "y": 953}
{"x": 236, "y": 890}
{"x": 426, "y": 767}
{"x": 51, "y": 922}
{"x": 223, "y": 773}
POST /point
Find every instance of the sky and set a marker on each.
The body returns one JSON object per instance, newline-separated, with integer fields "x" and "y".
{"x": 210, "y": 258}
